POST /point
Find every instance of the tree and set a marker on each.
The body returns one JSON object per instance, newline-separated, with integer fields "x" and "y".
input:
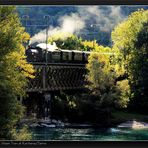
{"x": 90, "y": 45}
{"x": 14, "y": 71}
{"x": 102, "y": 76}
{"x": 68, "y": 41}
{"x": 130, "y": 41}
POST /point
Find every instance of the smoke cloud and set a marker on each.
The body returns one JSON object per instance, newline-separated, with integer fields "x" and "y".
{"x": 104, "y": 18}
{"x": 69, "y": 24}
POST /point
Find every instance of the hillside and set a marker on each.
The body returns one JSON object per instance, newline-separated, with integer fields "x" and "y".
{"x": 89, "y": 22}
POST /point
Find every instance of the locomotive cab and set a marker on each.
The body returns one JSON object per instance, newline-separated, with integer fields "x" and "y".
{"x": 34, "y": 54}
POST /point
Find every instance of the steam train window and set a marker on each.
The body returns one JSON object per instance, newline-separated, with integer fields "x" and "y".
{"x": 49, "y": 56}
{"x": 66, "y": 55}
{"x": 56, "y": 56}
{"x": 77, "y": 55}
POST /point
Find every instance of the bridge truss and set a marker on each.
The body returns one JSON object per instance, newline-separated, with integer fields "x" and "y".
{"x": 59, "y": 76}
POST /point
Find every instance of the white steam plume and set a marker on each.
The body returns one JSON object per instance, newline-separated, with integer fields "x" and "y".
{"x": 68, "y": 25}
{"x": 104, "y": 18}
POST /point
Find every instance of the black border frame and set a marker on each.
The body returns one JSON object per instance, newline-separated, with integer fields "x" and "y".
{"x": 78, "y": 144}
{"x": 73, "y": 2}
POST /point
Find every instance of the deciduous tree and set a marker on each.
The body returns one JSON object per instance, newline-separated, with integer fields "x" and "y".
{"x": 130, "y": 41}
{"x": 14, "y": 71}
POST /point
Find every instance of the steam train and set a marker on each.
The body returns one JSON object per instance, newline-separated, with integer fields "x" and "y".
{"x": 51, "y": 54}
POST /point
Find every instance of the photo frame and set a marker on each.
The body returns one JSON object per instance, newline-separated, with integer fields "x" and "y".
{"x": 62, "y": 72}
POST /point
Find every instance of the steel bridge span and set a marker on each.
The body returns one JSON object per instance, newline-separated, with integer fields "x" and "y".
{"x": 57, "y": 76}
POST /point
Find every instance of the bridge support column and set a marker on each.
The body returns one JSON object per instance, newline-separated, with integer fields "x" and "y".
{"x": 47, "y": 109}
{"x": 48, "y": 101}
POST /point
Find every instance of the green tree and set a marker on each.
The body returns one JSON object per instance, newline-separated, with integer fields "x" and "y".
{"x": 68, "y": 41}
{"x": 102, "y": 76}
{"x": 14, "y": 71}
{"x": 130, "y": 41}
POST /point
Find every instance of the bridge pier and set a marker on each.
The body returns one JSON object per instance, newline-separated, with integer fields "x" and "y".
{"x": 48, "y": 100}
{"x": 39, "y": 104}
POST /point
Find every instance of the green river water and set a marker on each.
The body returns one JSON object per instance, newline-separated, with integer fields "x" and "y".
{"x": 89, "y": 134}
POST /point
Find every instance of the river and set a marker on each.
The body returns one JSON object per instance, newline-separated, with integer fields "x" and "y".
{"x": 88, "y": 134}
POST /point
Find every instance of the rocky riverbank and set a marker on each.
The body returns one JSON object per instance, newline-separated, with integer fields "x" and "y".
{"x": 133, "y": 124}
{"x": 51, "y": 123}
{"x": 133, "y": 121}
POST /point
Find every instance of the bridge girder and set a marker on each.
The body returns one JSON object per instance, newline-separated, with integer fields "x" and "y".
{"x": 53, "y": 77}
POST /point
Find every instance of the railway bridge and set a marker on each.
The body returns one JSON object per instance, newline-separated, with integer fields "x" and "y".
{"x": 57, "y": 76}
{"x": 50, "y": 79}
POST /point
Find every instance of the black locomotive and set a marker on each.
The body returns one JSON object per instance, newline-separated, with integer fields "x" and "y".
{"x": 55, "y": 55}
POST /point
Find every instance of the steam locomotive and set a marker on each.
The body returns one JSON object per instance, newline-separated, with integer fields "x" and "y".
{"x": 51, "y": 54}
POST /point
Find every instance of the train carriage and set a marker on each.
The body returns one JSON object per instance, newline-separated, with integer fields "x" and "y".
{"x": 77, "y": 56}
{"x": 66, "y": 56}
{"x": 51, "y": 54}
{"x": 56, "y": 56}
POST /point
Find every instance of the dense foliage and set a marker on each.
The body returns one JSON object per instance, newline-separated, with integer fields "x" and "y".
{"x": 13, "y": 72}
{"x": 73, "y": 42}
{"x": 69, "y": 41}
{"x": 103, "y": 81}
{"x": 130, "y": 41}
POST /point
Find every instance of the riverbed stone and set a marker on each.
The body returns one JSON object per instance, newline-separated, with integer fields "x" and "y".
{"x": 133, "y": 124}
